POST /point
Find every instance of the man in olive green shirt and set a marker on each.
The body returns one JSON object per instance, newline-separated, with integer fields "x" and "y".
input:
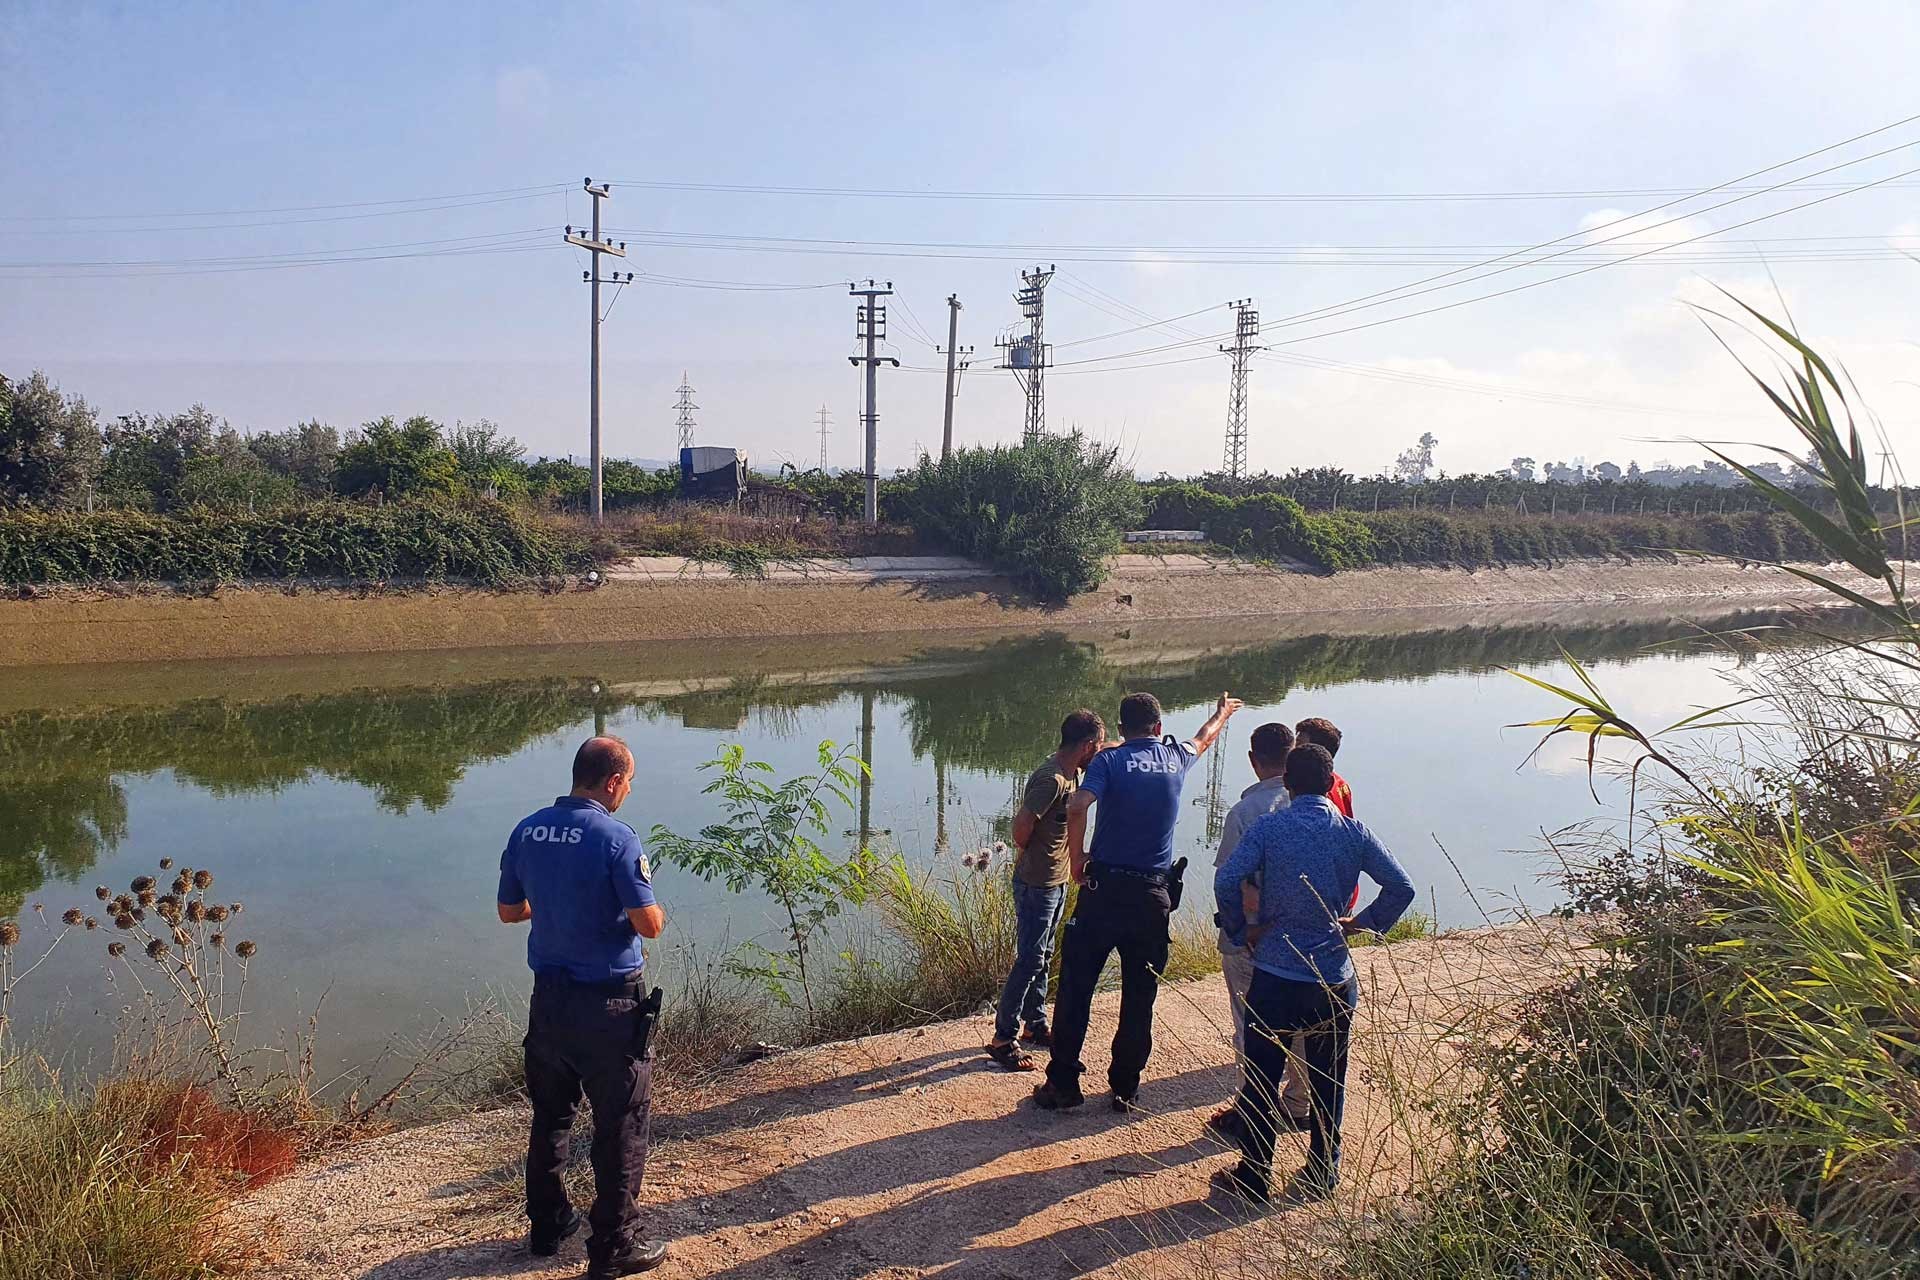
{"x": 1040, "y": 874}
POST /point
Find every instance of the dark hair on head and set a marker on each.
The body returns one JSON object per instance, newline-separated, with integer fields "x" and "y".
{"x": 1270, "y": 743}
{"x": 1309, "y": 770}
{"x": 599, "y": 759}
{"x": 1079, "y": 726}
{"x": 1139, "y": 712}
{"x": 1319, "y": 732}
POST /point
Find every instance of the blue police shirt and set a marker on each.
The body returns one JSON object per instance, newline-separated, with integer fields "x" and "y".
{"x": 1138, "y": 786}
{"x": 582, "y": 869}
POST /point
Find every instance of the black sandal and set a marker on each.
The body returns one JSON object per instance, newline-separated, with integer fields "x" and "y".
{"x": 1012, "y": 1057}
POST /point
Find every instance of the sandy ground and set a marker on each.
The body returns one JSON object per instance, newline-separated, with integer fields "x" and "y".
{"x": 909, "y": 1155}
{"x": 76, "y": 627}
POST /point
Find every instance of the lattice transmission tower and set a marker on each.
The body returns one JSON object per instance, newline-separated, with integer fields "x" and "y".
{"x": 1027, "y": 355}
{"x": 686, "y": 406}
{"x": 1246, "y": 328}
{"x": 826, "y": 421}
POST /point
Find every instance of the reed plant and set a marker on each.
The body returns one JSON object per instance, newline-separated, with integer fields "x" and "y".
{"x": 1731, "y": 1086}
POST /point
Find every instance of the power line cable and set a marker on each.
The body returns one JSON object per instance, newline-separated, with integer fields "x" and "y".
{"x": 1368, "y": 301}
{"x": 1147, "y": 197}
{"x": 543, "y": 188}
{"x": 276, "y": 222}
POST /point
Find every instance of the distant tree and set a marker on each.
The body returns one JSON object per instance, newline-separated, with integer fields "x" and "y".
{"x": 396, "y": 459}
{"x": 1719, "y": 474}
{"x": 305, "y": 454}
{"x": 1563, "y": 473}
{"x": 1414, "y": 465}
{"x": 49, "y": 443}
{"x": 483, "y": 448}
{"x": 1521, "y": 469}
{"x": 1605, "y": 471}
{"x": 147, "y": 456}
{"x": 1633, "y": 472}
{"x": 231, "y": 477}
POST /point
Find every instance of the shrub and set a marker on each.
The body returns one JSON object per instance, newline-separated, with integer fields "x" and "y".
{"x": 1046, "y": 513}
{"x": 478, "y": 541}
{"x": 86, "y": 1190}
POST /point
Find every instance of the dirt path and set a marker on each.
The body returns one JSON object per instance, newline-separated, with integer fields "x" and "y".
{"x": 907, "y": 1155}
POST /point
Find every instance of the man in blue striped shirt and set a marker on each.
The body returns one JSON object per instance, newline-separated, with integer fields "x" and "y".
{"x": 1308, "y": 859}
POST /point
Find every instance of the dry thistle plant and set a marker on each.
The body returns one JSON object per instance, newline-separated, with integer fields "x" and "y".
{"x": 184, "y": 977}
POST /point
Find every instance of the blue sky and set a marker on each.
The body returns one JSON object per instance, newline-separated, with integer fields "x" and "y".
{"x": 140, "y": 113}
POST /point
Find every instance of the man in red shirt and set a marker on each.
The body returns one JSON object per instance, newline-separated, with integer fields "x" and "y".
{"x": 1323, "y": 733}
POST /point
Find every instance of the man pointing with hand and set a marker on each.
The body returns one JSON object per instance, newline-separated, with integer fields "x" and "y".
{"x": 1129, "y": 886}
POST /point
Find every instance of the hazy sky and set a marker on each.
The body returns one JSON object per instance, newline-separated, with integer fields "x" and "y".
{"x": 115, "y": 120}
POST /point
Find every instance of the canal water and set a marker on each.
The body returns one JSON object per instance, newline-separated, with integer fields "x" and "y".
{"x": 356, "y": 806}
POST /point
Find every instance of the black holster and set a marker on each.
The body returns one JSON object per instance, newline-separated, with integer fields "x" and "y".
{"x": 1176, "y": 882}
{"x": 647, "y": 1017}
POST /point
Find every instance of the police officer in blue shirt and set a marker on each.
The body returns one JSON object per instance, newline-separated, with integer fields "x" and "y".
{"x": 1126, "y": 894}
{"x": 580, "y": 875}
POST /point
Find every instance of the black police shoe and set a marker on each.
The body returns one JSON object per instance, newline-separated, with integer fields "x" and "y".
{"x": 544, "y": 1242}
{"x": 644, "y": 1256}
{"x": 1245, "y": 1182}
{"x": 1048, "y": 1098}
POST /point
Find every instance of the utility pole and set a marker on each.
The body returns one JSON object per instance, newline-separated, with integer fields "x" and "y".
{"x": 1246, "y": 327}
{"x": 596, "y": 246}
{"x": 871, "y": 325}
{"x": 825, "y": 420}
{"x": 686, "y": 406}
{"x": 1027, "y": 355}
{"x": 953, "y": 351}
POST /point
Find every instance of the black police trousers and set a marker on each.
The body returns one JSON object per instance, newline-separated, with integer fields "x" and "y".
{"x": 1113, "y": 913}
{"x": 588, "y": 1039}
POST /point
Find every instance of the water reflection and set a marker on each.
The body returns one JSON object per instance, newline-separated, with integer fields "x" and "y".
{"x": 991, "y": 708}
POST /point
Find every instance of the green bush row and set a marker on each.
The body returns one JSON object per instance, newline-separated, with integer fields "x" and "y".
{"x": 476, "y": 541}
{"x": 1269, "y": 525}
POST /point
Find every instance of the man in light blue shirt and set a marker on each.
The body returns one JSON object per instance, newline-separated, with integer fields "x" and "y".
{"x": 1267, "y": 750}
{"x": 1308, "y": 858}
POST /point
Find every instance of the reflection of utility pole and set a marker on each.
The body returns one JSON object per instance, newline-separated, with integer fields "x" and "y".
{"x": 1215, "y": 799}
{"x": 939, "y": 803}
{"x": 866, "y": 774}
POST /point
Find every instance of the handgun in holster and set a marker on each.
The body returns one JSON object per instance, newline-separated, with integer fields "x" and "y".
{"x": 1176, "y": 882}
{"x": 648, "y": 1016}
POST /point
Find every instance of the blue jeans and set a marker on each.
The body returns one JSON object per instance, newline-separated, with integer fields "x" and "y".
{"x": 1277, "y": 1009}
{"x": 1036, "y": 915}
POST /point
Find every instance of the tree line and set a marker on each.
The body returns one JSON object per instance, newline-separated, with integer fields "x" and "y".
{"x": 57, "y": 454}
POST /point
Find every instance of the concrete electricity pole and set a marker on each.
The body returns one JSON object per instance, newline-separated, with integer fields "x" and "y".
{"x": 953, "y": 351}
{"x": 597, "y": 246}
{"x": 872, "y": 326}
{"x": 1246, "y": 328}
{"x": 686, "y": 406}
